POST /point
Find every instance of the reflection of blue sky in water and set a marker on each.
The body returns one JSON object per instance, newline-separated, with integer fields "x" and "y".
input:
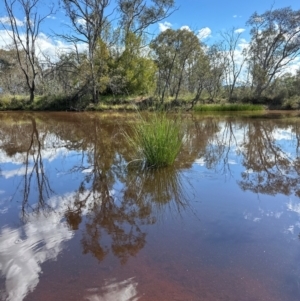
{"x": 23, "y": 250}
{"x": 290, "y": 216}
{"x": 114, "y": 291}
{"x": 284, "y": 138}
{"x": 286, "y": 211}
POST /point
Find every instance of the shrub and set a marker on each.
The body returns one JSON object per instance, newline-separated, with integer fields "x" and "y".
{"x": 291, "y": 103}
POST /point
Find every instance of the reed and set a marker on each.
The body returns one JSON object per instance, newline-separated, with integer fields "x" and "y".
{"x": 157, "y": 138}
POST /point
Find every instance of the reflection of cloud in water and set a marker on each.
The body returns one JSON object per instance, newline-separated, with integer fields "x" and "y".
{"x": 237, "y": 144}
{"x": 290, "y": 229}
{"x": 200, "y": 161}
{"x": 295, "y": 207}
{"x": 49, "y": 154}
{"x": 293, "y": 228}
{"x": 283, "y": 134}
{"x": 88, "y": 170}
{"x": 250, "y": 217}
{"x": 115, "y": 291}
{"x": 262, "y": 213}
{"x": 15, "y": 172}
{"x": 3, "y": 210}
{"x": 23, "y": 250}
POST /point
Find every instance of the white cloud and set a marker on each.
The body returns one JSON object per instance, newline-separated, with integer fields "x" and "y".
{"x": 164, "y": 26}
{"x": 239, "y": 30}
{"x": 81, "y": 21}
{"x": 5, "y": 38}
{"x": 204, "y": 33}
{"x": 46, "y": 46}
{"x": 235, "y": 16}
{"x": 243, "y": 43}
{"x": 5, "y": 21}
{"x": 185, "y": 27}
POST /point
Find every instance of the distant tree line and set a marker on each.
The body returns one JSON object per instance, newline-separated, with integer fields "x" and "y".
{"x": 121, "y": 60}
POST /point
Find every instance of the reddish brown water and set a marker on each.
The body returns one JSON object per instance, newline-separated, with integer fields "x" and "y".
{"x": 77, "y": 222}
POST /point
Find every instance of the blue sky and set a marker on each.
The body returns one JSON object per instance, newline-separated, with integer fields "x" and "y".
{"x": 220, "y": 15}
{"x": 212, "y": 16}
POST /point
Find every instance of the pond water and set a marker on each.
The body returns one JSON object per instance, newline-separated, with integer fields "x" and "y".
{"x": 79, "y": 220}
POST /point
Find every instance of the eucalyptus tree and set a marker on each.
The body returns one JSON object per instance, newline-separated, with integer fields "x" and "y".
{"x": 235, "y": 59}
{"x": 199, "y": 75}
{"x": 137, "y": 15}
{"x": 11, "y": 79}
{"x": 215, "y": 76}
{"x": 134, "y": 65}
{"x": 275, "y": 43}
{"x": 89, "y": 20}
{"x": 173, "y": 50}
{"x": 24, "y": 36}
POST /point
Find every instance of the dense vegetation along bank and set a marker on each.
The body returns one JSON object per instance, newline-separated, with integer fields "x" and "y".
{"x": 117, "y": 61}
{"x": 15, "y": 103}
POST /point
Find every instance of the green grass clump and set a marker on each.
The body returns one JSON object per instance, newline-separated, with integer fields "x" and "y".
{"x": 228, "y": 107}
{"x": 157, "y": 138}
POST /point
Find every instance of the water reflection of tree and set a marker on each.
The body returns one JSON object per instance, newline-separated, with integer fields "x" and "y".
{"x": 35, "y": 172}
{"x": 112, "y": 221}
{"x": 157, "y": 189}
{"x": 115, "y": 220}
{"x": 269, "y": 168}
{"x": 198, "y": 134}
{"x": 107, "y": 217}
{"x": 219, "y": 147}
{"x": 211, "y": 140}
{"x": 23, "y": 137}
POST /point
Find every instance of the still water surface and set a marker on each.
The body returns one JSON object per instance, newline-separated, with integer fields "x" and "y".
{"x": 77, "y": 222}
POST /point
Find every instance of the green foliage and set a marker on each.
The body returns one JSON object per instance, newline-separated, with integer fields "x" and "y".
{"x": 274, "y": 42}
{"x": 137, "y": 69}
{"x": 292, "y": 103}
{"x": 14, "y": 102}
{"x": 177, "y": 51}
{"x": 102, "y": 61}
{"x": 228, "y": 107}
{"x": 158, "y": 138}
